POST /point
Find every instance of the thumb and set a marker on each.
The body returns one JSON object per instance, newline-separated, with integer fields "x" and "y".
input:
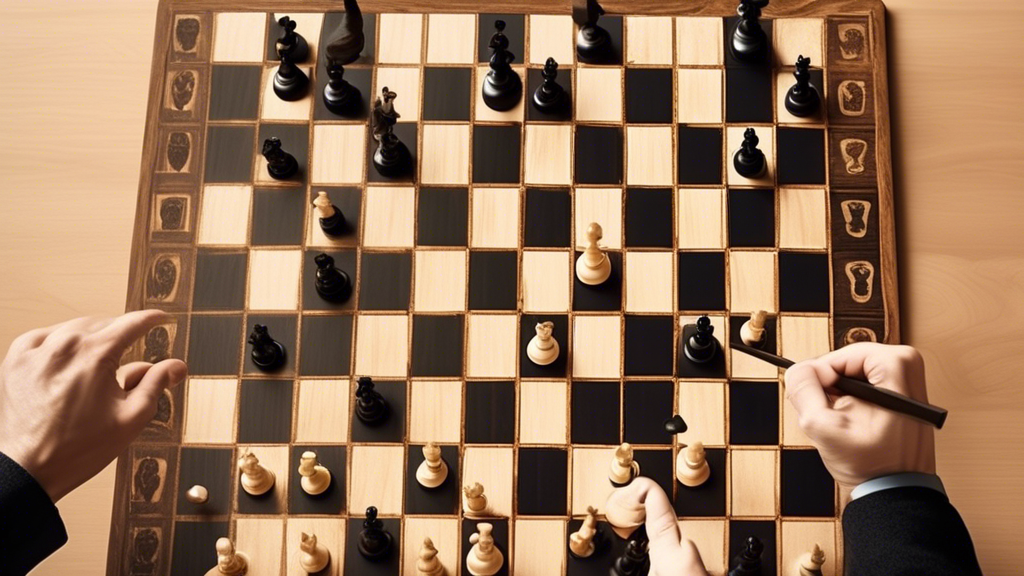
{"x": 141, "y": 401}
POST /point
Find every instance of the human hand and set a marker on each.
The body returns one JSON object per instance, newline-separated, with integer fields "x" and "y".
{"x": 63, "y": 414}
{"x": 670, "y": 553}
{"x": 857, "y": 440}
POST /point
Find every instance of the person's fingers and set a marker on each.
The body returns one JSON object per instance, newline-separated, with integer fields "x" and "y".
{"x": 898, "y": 368}
{"x": 64, "y": 338}
{"x": 123, "y": 330}
{"x": 140, "y": 404}
{"x": 131, "y": 374}
{"x": 805, "y": 389}
{"x": 662, "y": 529}
{"x": 31, "y": 339}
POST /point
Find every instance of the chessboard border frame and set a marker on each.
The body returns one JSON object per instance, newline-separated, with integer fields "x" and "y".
{"x": 873, "y": 9}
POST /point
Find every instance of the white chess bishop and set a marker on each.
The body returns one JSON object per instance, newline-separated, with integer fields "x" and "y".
{"x": 428, "y": 563}
{"x": 810, "y": 563}
{"x": 484, "y": 558}
{"x": 543, "y": 348}
{"x": 256, "y": 479}
{"x": 593, "y": 266}
{"x": 315, "y": 478}
{"x": 692, "y": 466}
{"x": 433, "y": 471}
{"x": 229, "y": 561}
{"x": 313, "y": 555}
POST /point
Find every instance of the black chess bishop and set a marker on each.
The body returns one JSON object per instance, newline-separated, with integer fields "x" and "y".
{"x": 332, "y": 283}
{"x": 634, "y": 560}
{"x": 267, "y": 354}
{"x": 748, "y": 562}
{"x": 347, "y": 43}
{"x": 803, "y": 99}
{"x": 749, "y": 161}
{"x": 340, "y": 96}
{"x": 749, "y": 42}
{"x": 291, "y": 43}
{"x": 502, "y": 86}
{"x": 280, "y": 164}
{"x": 290, "y": 82}
{"x": 371, "y": 407}
{"x": 701, "y": 346}
{"x": 593, "y": 43}
{"x": 374, "y": 540}
{"x": 391, "y": 158}
{"x": 550, "y": 97}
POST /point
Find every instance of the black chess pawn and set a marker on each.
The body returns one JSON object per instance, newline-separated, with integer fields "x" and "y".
{"x": 550, "y": 97}
{"x": 374, "y": 539}
{"x": 749, "y": 161}
{"x": 332, "y": 283}
{"x": 502, "y": 86}
{"x": 749, "y": 41}
{"x": 633, "y": 560}
{"x": 675, "y": 425}
{"x": 802, "y": 100}
{"x": 371, "y": 408}
{"x": 267, "y": 353}
{"x": 290, "y": 82}
{"x": 291, "y": 43}
{"x": 702, "y": 345}
{"x": 280, "y": 164}
{"x": 748, "y": 562}
{"x": 391, "y": 158}
{"x": 593, "y": 43}
{"x": 349, "y": 39}
{"x": 340, "y": 96}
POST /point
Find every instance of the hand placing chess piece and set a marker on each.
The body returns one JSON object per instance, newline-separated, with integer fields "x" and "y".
{"x": 752, "y": 332}
{"x": 315, "y": 478}
{"x": 692, "y": 467}
{"x": 543, "y": 348}
{"x": 433, "y": 471}
{"x": 623, "y": 468}
{"x": 313, "y": 555}
{"x": 593, "y": 266}
{"x": 374, "y": 540}
{"x": 255, "y": 478}
{"x": 476, "y": 501}
{"x": 810, "y": 563}
{"x": 229, "y": 561}
{"x": 484, "y": 558}
{"x": 583, "y": 542}
{"x": 624, "y": 513}
{"x": 428, "y": 563}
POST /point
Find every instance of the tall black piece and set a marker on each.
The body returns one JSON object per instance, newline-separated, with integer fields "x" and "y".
{"x": 374, "y": 539}
{"x": 291, "y": 43}
{"x": 348, "y": 43}
{"x": 748, "y": 562}
{"x": 290, "y": 82}
{"x": 267, "y": 353}
{"x": 633, "y": 560}
{"x": 702, "y": 345}
{"x": 391, "y": 157}
{"x": 802, "y": 99}
{"x": 340, "y": 96}
{"x": 749, "y": 161}
{"x": 371, "y": 408}
{"x": 502, "y": 86}
{"x": 749, "y": 41}
{"x": 593, "y": 43}
{"x": 332, "y": 283}
{"x": 280, "y": 164}
{"x": 550, "y": 97}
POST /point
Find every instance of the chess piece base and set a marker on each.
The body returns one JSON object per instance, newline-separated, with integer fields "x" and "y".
{"x": 553, "y": 103}
{"x": 478, "y": 568}
{"x": 215, "y": 571}
{"x": 700, "y": 355}
{"x": 540, "y": 356}
{"x": 258, "y": 489}
{"x": 622, "y": 480}
{"x": 316, "y": 488}
{"x": 391, "y": 163}
{"x": 343, "y": 102}
{"x": 428, "y": 479}
{"x": 593, "y": 45}
{"x": 747, "y": 45}
{"x": 502, "y": 94}
{"x": 339, "y": 293}
{"x": 595, "y": 545}
{"x": 372, "y": 417}
{"x": 803, "y": 107}
{"x": 592, "y": 276}
{"x": 692, "y": 478}
{"x": 378, "y": 554}
{"x": 299, "y": 52}
{"x": 286, "y": 171}
{"x": 335, "y": 225}
{"x": 291, "y": 89}
{"x": 755, "y": 167}
{"x": 270, "y": 361}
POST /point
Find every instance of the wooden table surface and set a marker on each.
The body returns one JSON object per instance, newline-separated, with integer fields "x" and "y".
{"x": 73, "y": 104}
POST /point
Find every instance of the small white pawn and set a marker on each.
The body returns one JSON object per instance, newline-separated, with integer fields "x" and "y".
{"x": 324, "y": 207}
{"x": 256, "y": 480}
{"x": 623, "y": 468}
{"x": 484, "y": 558}
{"x": 593, "y": 266}
{"x": 476, "y": 502}
{"x": 543, "y": 348}
{"x": 811, "y": 562}
{"x": 433, "y": 471}
{"x": 197, "y": 494}
{"x": 428, "y": 563}
{"x": 315, "y": 478}
{"x": 752, "y": 331}
{"x": 581, "y": 542}
{"x": 624, "y": 512}
{"x": 692, "y": 465}
{"x": 314, "y": 556}
{"x": 229, "y": 561}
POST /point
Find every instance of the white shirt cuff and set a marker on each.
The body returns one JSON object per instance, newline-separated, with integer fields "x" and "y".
{"x": 901, "y": 480}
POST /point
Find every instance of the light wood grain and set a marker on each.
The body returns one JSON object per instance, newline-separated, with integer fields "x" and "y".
{"x": 544, "y": 541}
{"x": 753, "y": 491}
{"x": 542, "y": 412}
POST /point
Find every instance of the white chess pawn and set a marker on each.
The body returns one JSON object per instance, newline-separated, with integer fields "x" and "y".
{"x": 476, "y": 502}
{"x": 692, "y": 466}
{"x": 256, "y": 480}
{"x": 810, "y": 563}
{"x": 433, "y": 471}
{"x": 197, "y": 494}
{"x": 624, "y": 512}
{"x": 315, "y": 478}
{"x": 623, "y": 468}
{"x": 484, "y": 558}
{"x": 428, "y": 563}
{"x": 324, "y": 207}
{"x": 314, "y": 556}
{"x": 229, "y": 561}
{"x": 593, "y": 266}
{"x": 581, "y": 542}
{"x": 543, "y": 348}
{"x": 752, "y": 331}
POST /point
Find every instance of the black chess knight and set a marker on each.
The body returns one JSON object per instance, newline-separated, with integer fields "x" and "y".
{"x": 749, "y": 41}
{"x": 349, "y": 39}
{"x": 802, "y": 100}
{"x": 593, "y": 43}
{"x": 332, "y": 283}
{"x": 371, "y": 408}
{"x": 290, "y": 82}
{"x": 374, "y": 539}
{"x": 749, "y": 161}
{"x": 550, "y": 97}
{"x": 502, "y": 86}
{"x": 267, "y": 353}
{"x": 702, "y": 346}
{"x": 280, "y": 164}
{"x": 748, "y": 562}
{"x": 391, "y": 158}
{"x": 291, "y": 43}
{"x": 340, "y": 96}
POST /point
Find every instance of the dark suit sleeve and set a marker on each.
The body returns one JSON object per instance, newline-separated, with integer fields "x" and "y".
{"x": 30, "y": 526}
{"x": 904, "y": 531}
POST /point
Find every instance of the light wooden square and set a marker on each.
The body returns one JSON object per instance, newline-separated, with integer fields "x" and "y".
{"x": 699, "y": 41}
{"x": 542, "y": 412}
{"x": 323, "y": 411}
{"x": 382, "y": 345}
{"x": 542, "y": 546}
{"x": 440, "y": 281}
{"x": 753, "y": 474}
{"x": 792, "y": 434}
{"x": 545, "y": 281}
{"x": 329, "y": 531}
{"x": 495, "y": 218}
{"x": 598, "y": 94}
{"x": 649, "y": 160}
{"x": 400, "y": 38}
{"x": 701, "y": 218}
{"x": 649, "y": 281}
{"x": 552, "y": 36}
{"x": 210, "y": 411}
{"x": 590, "y": 485}
{"x": 710, "y": 538}
{"x": 451, "y": 38}
{"x": 275, "y": 108}
{"x": 601, "y": 205}
{"x": 309, "y": 24}
{"x": 803, "y": 218}
{"x": 484, "y": 113}
{"x": 240, "y": 37}
{"x": 445, "y": 154}
{"x": 339, "y": 153}
{"x": 443, "y": 532}
{"x": 435, "y": 414}
{"x": 752, "y": 281}
{"x": 224, "y": 216}
{"x": 388, "y": 220}
{"x": 406, "y": 83}
{"x": 377, "y": 478}
{"x": 700, "y": 95}
{"x": 702, "y": 406}
{"x": 491, "y": 467}
{"x": 734, "y": 138}
{"x": 275, "y": 459}
{"x": 274, "y": 279}
{"x": 548, "y": 153}
{"x": 797, "y": 37}
{"x": 492, "y": 347}
{"x": 597, "y": 347}
{"x": 260, "y": 539}
{"x": 783, "y": 81}
{"x": 803, "y": 337}
{"x": 799, "y": 538}
{"x": 649, "y": 40}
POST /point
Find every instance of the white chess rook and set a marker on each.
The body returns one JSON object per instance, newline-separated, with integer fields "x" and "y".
{"x": 593, "y": 266}
{"x": 484, "y": 558}
{"x": 692, "y": 466}
{"x": 315, "y": 478}
{"x": 543, "y": 348}
{"x": 313, "y": 556}
{"x": 433, "y": 471}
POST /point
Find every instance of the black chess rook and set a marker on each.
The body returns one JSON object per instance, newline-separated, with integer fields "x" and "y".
{"x": 371, "y": 408}
{"x": 749, "y": 161}
{"x": 550, "y": 97}
{"x": 749, "y": 42}
{"x": 374, "y": 540}
{"x": 802, "y": 99}
{"x": 290, "y": 82}
{"x": 502, "y": 88}
{"x": 340, "y": 96}
{"x": 267, "y": 354}
{"x": 291, "y": 43}
{"x": 332, "y": 283}
{"x": 280, "y": 164}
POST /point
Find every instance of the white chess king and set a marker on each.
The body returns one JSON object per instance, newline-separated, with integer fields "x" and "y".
{"x": 593, "y": 266}
{"x": 484, "y": 558}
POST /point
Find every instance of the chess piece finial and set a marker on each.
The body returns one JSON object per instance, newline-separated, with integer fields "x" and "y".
{"x": 633, "y": 559}
{"x": 427, "y": 563}
{"x": 291, "y": 43}
{"x": 484, "y": 558}
{"x": 230, "y": 562}
{"x": 582, "y": 542}
{"x": 810, "y": 562}
{"x": 503, "y": 88}
{"x": 692, "y": 467}
{"x": 748, "y": 562}
{"x": 593, "y": 266}
{"x": 623, "y": 468}
{"x": 255, "y": 478}
{"x": 752, "y": 331}
{"x": 543, "y": 348}
{"x": 433, "y": 471}
{"x": 314, "y": 556}
{"x": 197, "y": 494}
{"x": 315, "y": 478}
{"x": 476, "y": 501}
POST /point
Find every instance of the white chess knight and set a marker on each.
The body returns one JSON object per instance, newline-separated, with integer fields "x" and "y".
{"x": 256, "y": 480}
{"x": 484, "y": 558}
{"x": 229, "y": 561}
{"x": 543, "y": 348}
{"x": 428, "y": 563}
{"x": 692, "y": 466}
{"x": 315, "y": 478}
{"x": 581, "y": 542}
{"x": 593, "y": 266}
{"x": 433, "y": 471}
{"x": 313, "y": 555}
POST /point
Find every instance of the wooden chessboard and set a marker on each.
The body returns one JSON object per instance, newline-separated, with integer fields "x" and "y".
{"x": 453, "y": 267}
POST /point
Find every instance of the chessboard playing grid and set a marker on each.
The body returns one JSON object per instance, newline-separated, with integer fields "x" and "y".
{"x": 453, "y": 267}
